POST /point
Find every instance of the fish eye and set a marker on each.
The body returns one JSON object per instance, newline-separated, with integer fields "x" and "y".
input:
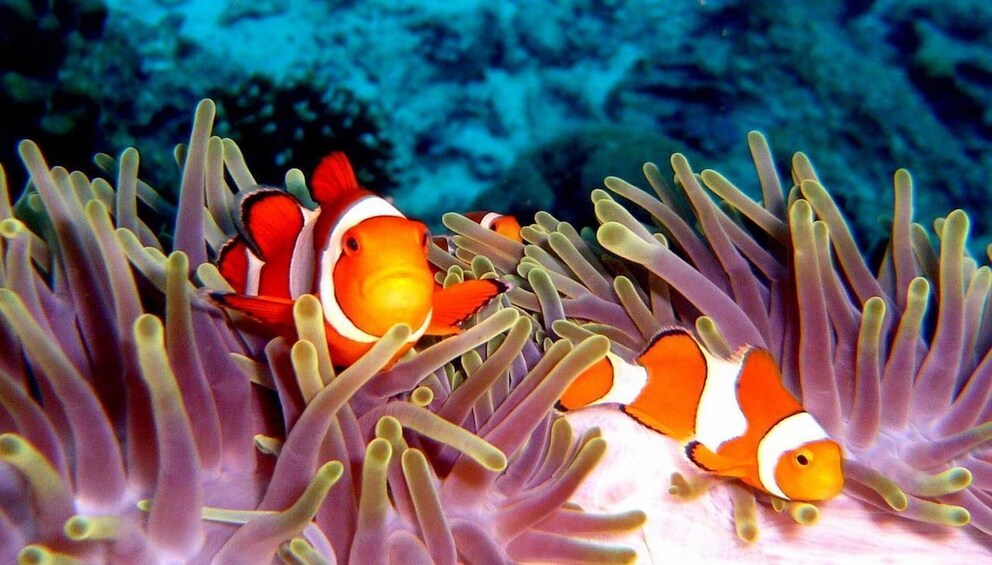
{"x": 803, "y": 458}
{"x": 425, "y": 239}
{"x": 351, "y": 244}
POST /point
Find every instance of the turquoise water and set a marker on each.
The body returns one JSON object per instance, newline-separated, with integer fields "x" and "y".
{"x": 519, "y": 106}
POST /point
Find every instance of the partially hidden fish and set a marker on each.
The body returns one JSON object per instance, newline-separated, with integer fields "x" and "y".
{"x": 503, "y": 224}
{"x": 733, "y": 416}
{"x": 364, "y": 260}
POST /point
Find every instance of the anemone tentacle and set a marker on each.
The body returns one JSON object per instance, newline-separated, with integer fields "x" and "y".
{"x": 905, "y": 390}
{"x": 127, "y": 386}
{"x": 141, "y": 425}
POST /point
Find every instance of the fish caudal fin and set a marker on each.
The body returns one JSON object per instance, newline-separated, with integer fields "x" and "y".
{"x": 272, "y": 220}
{"x": 333, "y": 177}
{"x": 712, "y": 462}
{"x": 592, "y": 385}
{"x": 276, "y": 312}
{"x": 232, "y": 262}
{"x": 458, "y": 302}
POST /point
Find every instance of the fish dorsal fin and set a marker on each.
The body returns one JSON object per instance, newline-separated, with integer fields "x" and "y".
{"x": 669, "y": 344}
{"x": 456, "y": 303}
{"x": 763, "y": 398}
{"x": 232, "y": 262}
{"x": 333, "y": 178}
{"x": 272, "y": 219}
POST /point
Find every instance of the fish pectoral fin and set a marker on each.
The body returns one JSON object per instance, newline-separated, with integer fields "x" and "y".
{"x": 712, "y": 462}
{"x": 456, "y": 303}
{"x": 269, "y": 310}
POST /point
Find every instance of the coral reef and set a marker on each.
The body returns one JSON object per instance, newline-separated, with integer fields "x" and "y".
{"x": 469, "y": 91}
{"x": 138, "y": 427}
{"x": 297, "y": 122}
{"x": 37, "y": 38}
{"x": 547, "y": 177}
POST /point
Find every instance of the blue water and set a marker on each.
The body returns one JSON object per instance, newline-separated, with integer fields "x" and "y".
{"x": 519, "y": 106}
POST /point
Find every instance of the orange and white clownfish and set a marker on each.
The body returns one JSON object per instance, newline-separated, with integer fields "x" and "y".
{"x": 503, "y": 224}
{"x": 364, "y": 260}
{"x": 733, "y": 416}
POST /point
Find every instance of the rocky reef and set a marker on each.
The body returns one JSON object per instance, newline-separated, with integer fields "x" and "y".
{"x": 463, "y": 97}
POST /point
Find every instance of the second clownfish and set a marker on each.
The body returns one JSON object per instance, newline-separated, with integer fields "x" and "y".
{"x": 503, "y": 224}
{"x": 364, "y": 260}
{"x": 733, "y": 416}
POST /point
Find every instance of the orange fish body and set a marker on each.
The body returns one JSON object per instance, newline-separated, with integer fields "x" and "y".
{"x": 733, "y": 416}
{"x": 364, "y": 260}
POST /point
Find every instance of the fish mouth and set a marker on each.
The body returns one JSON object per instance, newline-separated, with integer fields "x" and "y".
{"x": 395, "y": 277}
{"x": 832, "y": 487}
{"x": 825, "y": 487}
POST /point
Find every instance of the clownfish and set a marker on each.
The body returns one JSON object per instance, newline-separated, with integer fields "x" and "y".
{"x": 364, "y": 260}
{"x": 733, "y": 416}
{"x": 503, "y": 224}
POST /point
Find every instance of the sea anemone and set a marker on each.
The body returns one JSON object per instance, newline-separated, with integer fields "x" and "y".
{"x": 906, "y": 392}
{"x": 139, "y": 427}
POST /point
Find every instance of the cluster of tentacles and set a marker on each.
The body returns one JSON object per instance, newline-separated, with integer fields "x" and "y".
{"x": 907, "y": 391}
{"x": 139, "y": 427}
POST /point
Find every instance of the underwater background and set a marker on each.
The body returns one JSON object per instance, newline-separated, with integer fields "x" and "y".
{"x": 519, "y": 106}
{"x": 140, "y": 426}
